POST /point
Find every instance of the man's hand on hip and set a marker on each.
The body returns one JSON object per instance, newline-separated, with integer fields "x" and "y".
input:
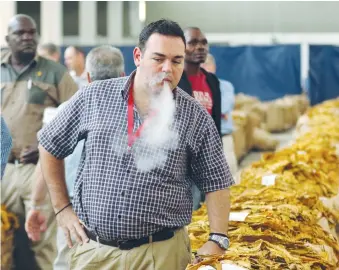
{"x": 70, "y": 224}
{"x": 36, "y": 223}
{"x": 209, "y": 248}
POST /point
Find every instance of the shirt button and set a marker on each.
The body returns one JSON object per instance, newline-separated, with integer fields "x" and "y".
{"x": 119, "y": 216}
{"x": 123, "y": 193}
{"x": 128, "y": 170}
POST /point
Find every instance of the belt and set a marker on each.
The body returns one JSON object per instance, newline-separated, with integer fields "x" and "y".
{"x": 130, "y": 244}
{"x": 14, "y": 161}
{"x": 17, "y": 162}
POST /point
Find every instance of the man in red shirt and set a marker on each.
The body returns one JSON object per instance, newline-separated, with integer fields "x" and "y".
{"x": 196, "y": 81}
{"x": 201, "y": 85}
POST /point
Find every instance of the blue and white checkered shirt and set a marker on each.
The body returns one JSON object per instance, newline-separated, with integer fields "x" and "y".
{"x": 112, "y": 197}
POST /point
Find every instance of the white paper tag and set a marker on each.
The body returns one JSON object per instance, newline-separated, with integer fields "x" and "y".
{"x": 268, "y": 180}
{"x": 229, "y": 266}
{"x": 239, "y": 216}
{"x": 206, "y": 267}
{"x": 337, "y": 149}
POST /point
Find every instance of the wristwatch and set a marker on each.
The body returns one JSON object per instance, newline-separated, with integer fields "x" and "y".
{"x": 220, "y": 239}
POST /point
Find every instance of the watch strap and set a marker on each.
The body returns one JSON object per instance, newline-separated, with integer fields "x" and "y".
{"x": 220, "y": 234}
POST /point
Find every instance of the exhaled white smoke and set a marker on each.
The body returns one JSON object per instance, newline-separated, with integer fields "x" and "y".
{"x": 158, "y": 136}
{"x": 161, "y": 117}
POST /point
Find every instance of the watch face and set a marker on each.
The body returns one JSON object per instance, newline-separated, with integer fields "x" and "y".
{"x": 225, "y": 243}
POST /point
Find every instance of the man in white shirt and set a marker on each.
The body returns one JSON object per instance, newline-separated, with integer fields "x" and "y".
{"x": 75, "y": 62}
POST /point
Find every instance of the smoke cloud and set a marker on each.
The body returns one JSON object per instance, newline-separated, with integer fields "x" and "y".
{"x": 159, "y": 135}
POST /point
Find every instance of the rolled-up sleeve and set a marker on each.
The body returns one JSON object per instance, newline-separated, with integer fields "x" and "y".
{"x": 210, "y": 170}
{"x": 61, "y": 135}
{"x": 6, "y": 145}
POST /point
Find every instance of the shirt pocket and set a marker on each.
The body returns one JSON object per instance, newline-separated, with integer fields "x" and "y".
{"x": 41, "y": 94}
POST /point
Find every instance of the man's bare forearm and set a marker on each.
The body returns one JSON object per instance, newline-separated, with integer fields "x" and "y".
{"x": 39, "y": 187}
{"x": 218, "y": 209}
{"x": 53, "y": 171}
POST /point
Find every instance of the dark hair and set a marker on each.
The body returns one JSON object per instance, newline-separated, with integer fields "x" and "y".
{"x": 162, "y": 27}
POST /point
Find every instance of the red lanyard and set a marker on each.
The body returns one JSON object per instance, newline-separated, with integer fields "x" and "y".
{"x": 130, "y": 114}
{"x": 130, "y": 118}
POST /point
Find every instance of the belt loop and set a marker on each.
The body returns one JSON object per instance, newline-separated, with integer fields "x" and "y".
{"x": 98, "y": 241}
{"x": 150, "y": 239}
{"x": 97, "y": 237}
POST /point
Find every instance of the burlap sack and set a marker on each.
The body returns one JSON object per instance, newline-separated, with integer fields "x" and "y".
{"x": 282, "y": 114}
{"x": 260, "y": 110}
{"x": 240, "y": 118}
{"x": 243, "y": 102}
{"x": 239, "y": 140}
{"x": 254, "y": 118}
{"x": 292, "y": 111}
{"x": 301, "y": 100}
{"x": 253, "y": 121}
{"x": 275, "y": 116}
{"x": 263, "y": 140}
{"x": 263, "y": 126}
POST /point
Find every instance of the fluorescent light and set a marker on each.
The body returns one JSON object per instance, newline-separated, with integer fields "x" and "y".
{"x": 142, "y": 11}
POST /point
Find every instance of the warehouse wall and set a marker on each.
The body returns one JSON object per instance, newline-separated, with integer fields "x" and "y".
{"x": 243, "y": 22}
{"x": 232, "y": 22}
{"x": 245, "y": 16}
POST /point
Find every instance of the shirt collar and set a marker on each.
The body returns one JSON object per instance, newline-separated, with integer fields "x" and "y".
{"x": 125, "y": 90}
{"x": 5, "y": 60}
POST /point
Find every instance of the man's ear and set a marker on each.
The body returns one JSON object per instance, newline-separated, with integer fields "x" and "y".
{"x": 137, "y": 56}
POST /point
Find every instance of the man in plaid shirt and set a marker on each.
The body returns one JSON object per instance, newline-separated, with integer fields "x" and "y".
{"x": 124, "y": 217}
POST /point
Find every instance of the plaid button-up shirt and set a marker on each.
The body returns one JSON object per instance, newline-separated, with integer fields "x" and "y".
{"x": 112, "y": 197}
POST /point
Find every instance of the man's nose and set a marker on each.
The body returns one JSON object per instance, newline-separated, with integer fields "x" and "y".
{"x": 27, "y": 36}
{"x": 200, "y": 46}
{"x": 167, "y": 66}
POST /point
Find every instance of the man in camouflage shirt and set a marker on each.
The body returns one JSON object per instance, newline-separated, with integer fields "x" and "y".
{"x": 29, "y": 84}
